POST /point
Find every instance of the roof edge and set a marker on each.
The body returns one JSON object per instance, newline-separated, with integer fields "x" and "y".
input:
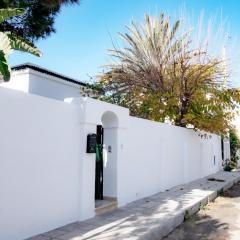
{"x": 48, "y": 72}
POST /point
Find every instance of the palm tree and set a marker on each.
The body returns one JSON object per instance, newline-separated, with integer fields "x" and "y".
{"x": 160, "y": 74}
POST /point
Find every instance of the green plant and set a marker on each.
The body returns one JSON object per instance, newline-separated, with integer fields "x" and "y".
{"x": 38, "y": 20}
{"x": 186, "y": 215}
{"x": 202, "y": 206}
{"x": 10, "y": 41}
{"x": 220, "y": 192}
{"x": 228, "y": 168}
{"x": 234, "y": 146}
{"x": 159, "y": 74}
{"x": 232, "y": 163}
{"x": 228, "y": 165}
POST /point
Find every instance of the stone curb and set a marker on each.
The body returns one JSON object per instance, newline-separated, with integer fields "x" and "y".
{"x": 173, "y": 222}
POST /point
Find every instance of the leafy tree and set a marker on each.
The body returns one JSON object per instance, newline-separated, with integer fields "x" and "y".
{"x": 234, "y": 147}
{"x": 9, "y": 42}
{"x": 160, "y": 75}
{"x": 38, "y": 19}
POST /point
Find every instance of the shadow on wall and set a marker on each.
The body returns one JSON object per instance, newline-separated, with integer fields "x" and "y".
{"x": 109, "y": 120}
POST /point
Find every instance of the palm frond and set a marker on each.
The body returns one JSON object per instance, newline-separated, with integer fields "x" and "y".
{"x": 10, "y": 42}
{"x": 5, "y": 70}
{"x": 20, "y": 44}
{"x": 7, "y": 13}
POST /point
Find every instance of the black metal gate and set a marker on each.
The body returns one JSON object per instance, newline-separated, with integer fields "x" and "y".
{"x": 99, "y": 164}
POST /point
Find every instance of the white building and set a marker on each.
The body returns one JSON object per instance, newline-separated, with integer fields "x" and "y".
{"x": 33, "y": 79}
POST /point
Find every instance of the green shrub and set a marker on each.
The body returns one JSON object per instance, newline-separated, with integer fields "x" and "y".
{"x": 234, "y": 146}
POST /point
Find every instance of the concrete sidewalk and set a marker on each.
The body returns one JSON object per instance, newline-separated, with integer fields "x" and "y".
{"x": 219, "y": 220}
{"x": 149, "y": 218}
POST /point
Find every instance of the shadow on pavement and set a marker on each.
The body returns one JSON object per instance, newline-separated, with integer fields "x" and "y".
{"x": 217, "y": 221}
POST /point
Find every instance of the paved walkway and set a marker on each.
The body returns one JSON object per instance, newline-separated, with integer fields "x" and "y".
{"x": 219, "y": 220}
{"x": 150, "y": 218}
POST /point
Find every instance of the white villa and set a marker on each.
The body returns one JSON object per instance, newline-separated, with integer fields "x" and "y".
{"x": 37, "y": 80}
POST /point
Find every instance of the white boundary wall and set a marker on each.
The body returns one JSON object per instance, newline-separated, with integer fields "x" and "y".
{"x": 40, "y": 167}
{"x": 160, "y": 156}
{"x": 47, "y": 179}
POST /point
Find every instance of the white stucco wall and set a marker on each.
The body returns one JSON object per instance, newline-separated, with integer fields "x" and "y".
{"x": 51, "y": 87}
{"x": 47, "y": 179}
{"x": 236, "y": 123}
{"x": 147, "y": 156}
{"x": 31, "y": 81}
{"x": 159, "y": 156}
{"x": 19, "y": 81}
{"x": 110, "y": 163}
{"x": 226, "y": 149}
{"x": 40, "y": 164}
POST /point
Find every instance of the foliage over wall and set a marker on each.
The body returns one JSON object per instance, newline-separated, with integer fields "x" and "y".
{"x": 9, "y": 41}
{"x": 234, "y": 147}
{"x": 160, "y": 75}
{"x": 38, "y": 19}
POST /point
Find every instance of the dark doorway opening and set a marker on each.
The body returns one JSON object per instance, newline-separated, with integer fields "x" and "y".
{"x": 99, "y": 164}
{"x": 222, "y": 148}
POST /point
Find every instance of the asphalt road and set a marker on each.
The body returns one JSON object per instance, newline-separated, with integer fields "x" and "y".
{"x": 219, "y": 220}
